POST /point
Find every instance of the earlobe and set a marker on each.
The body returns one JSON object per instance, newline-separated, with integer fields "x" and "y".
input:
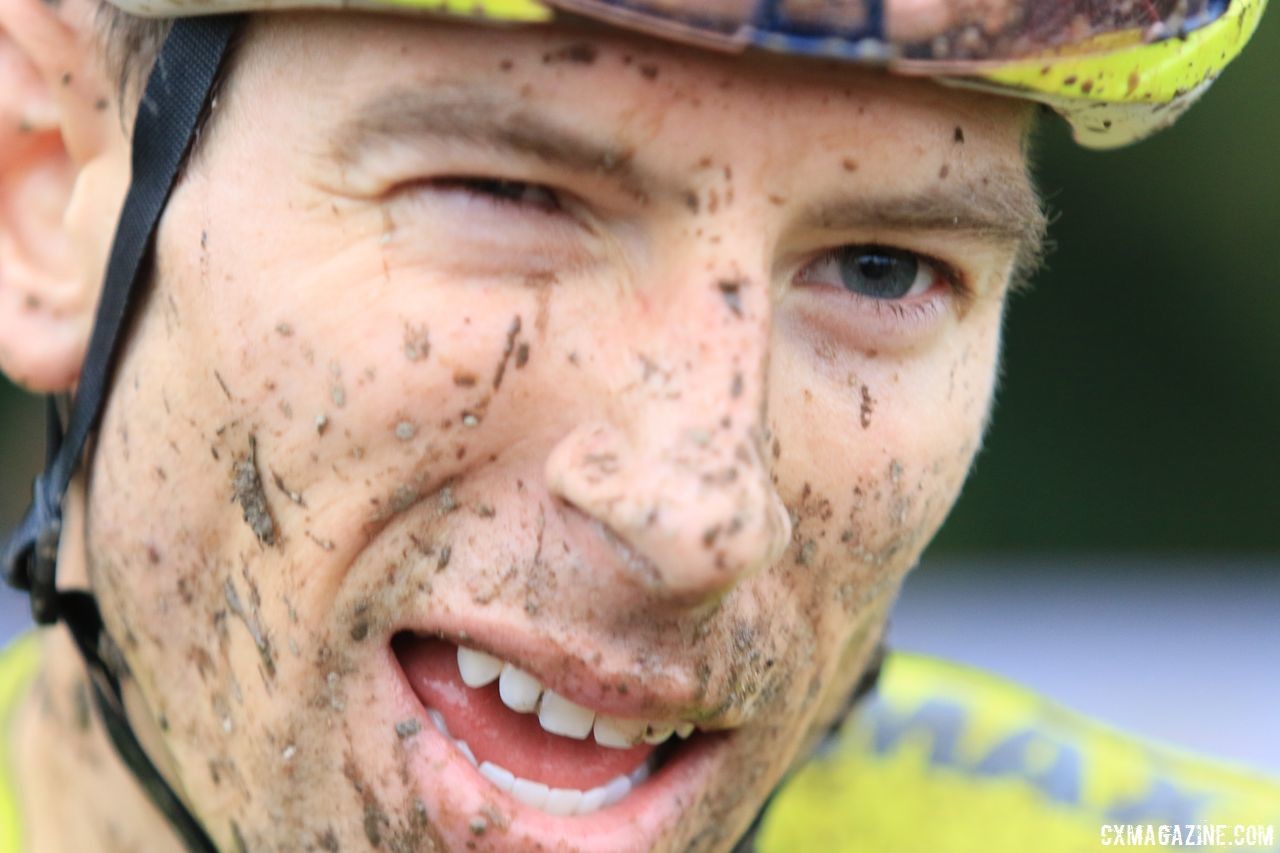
{"x": 58, "y": 155}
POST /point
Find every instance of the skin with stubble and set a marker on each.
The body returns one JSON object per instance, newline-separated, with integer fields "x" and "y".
{"x": 536, "y": 341}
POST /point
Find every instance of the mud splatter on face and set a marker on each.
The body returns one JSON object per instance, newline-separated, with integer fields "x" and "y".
{"x": 866, "y": 407}
{"x": 579, "y": 53}
{"x": 508, "y": 348}
{"x": 731, "y": 291}
{"x": 247, "y": 491}
{"x": 295, "y": 497}
{"x": 417, "y": 343}
{"x": 337, "y": 390}
{"x": 253, "y": 623}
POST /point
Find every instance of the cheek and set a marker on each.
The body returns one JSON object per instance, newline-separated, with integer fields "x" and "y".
{"x": 870, "y": 451}
{"x": 269, "y": 420}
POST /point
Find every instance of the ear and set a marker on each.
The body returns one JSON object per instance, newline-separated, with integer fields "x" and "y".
{"x": 63, "y": 174}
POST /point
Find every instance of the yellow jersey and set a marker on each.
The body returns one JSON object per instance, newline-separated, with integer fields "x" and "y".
{"x": 941, "y": 758}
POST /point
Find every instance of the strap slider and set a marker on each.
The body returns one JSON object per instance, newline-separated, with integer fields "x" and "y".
{"x": 44, "y": 572}
{"x": 31, "y": 554}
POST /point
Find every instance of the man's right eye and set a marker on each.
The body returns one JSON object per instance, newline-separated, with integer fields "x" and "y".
{"x": 502, "y": 192}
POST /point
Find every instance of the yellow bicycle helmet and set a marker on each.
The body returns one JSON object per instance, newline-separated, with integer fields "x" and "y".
{"x": 1116, "y": 70}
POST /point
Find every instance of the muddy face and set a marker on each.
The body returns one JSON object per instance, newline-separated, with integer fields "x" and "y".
{"x": 648, "y": 372}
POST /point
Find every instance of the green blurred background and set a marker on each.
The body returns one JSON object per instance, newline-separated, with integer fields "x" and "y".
{"x": 1140, "y": 407}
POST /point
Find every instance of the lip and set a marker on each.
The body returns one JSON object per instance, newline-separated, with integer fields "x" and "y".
{"x": 466, "y": 806}
{"x": 664, "y": 693}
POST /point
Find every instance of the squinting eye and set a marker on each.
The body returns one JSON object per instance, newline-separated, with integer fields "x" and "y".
{"x": 505, "y": 192}
{"x": 876, "y": 272}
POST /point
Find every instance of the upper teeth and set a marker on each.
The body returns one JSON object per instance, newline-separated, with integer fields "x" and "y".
{"x": 523, "y": 693}
{"x": 477, "y": 668}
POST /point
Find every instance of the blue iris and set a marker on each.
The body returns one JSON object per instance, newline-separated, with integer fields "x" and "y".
{"x": 878, "y": 272}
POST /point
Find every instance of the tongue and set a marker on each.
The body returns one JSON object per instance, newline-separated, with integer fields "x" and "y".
{"x": 498, "y": 734}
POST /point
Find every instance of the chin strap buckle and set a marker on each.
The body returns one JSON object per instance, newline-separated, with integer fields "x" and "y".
{"x": 31, "y": 554}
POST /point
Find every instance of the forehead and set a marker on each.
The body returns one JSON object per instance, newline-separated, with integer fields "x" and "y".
{"x": 643, "y": 92}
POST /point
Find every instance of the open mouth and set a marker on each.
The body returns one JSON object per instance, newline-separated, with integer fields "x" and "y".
{"x": 530, "y": 742}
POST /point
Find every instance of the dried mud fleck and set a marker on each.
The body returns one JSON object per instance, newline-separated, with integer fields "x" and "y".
{"x": 251, "y": 623}
{"x": 222, "y": 384}
{"x": 868, "y": 406}
{"x": 446, "y": 503}
{"x": 579, "y": 53}
{"x": 248, "y": 492}
{"x": 731, "y": 291}
{"x": 417, "y": 343}
{"x": 508, "y": 348}
{"x": 374, "y": 820}
{"x": 403, "y": 498}
{"x": 325, "y": 544}
{"x": 286, "y": 491}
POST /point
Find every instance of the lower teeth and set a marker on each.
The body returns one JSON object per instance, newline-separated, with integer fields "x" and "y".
{"x": 563, "y": 801}
{"x": 557, "y": 801}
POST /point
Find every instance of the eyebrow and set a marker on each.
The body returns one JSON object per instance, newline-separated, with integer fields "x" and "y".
{"x": 998, "y": 204}
{"x": 467, "y": 114}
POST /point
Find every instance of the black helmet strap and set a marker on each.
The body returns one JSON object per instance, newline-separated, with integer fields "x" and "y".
{"x": 175, "y": 97}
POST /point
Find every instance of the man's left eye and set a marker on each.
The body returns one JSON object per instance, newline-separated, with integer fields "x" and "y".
{"x": 876, "y": 272}
{"x": 501, "y": 191}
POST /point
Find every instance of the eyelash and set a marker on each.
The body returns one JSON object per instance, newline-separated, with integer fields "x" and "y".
{"x": 503, "y": 193}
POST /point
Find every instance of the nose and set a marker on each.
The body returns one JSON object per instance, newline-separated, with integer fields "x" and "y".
{"x": 677, "y": 469}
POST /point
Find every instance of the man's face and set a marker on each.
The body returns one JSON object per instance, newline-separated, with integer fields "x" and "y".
{"x": 646, "y": 371}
